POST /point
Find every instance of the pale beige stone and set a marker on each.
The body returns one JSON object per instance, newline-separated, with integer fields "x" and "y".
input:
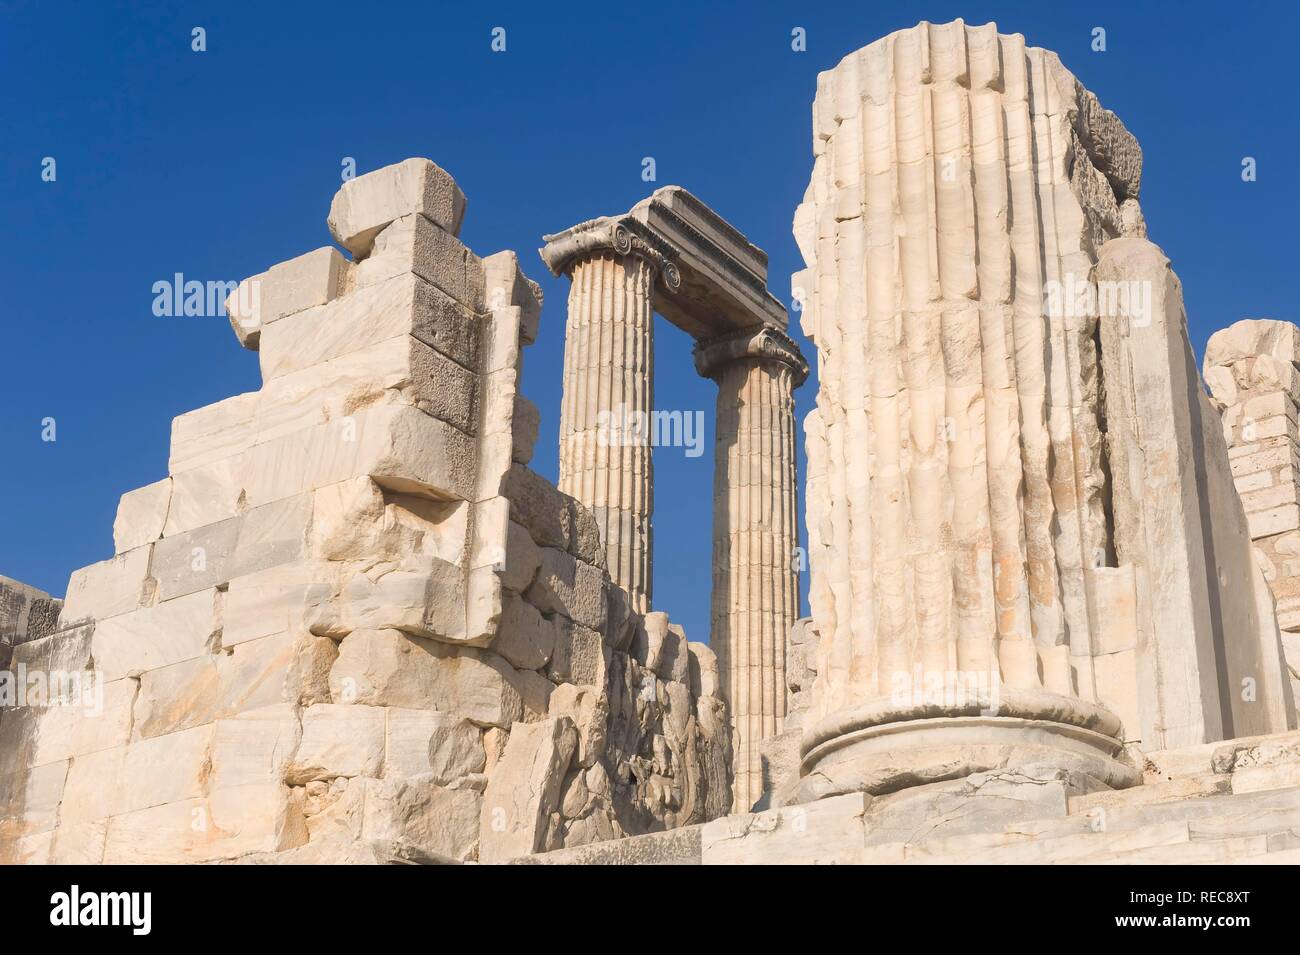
{"x": 571, "y": 587}
{"x": 152, "y": 637}
{"x": 524, "y": 637}
{"x": 427, "y": 742}
{"x": 416, "y": 812}
{"x": 388, "y": 668}
{"x": 142, "y": 515}
{"x": 286, "y": 288}
{"x": 213, "y": 432}
{"x": 403, "y": 305}
{"x": 364, "y": 206}
{"x": 339, "y": 740}
{"x": 524, "y": 788}
{"x": 107, "y": 589}
{"x": 413, "y": 244}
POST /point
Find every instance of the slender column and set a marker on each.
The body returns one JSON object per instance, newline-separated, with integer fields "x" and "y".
{"x": 605, "y": 453}
{"x": 605, "y": 457}
{"x": 755, "y": 533}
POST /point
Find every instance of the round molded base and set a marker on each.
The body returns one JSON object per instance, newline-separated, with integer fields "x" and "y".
{"x": 882, "y": 746}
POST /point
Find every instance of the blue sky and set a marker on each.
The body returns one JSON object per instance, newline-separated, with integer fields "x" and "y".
{"x": 219, "y": 164}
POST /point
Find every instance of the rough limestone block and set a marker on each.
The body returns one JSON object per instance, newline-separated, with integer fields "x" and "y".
{"x": 254, "y": 748}
{"x": 426, "y": 742}
{"x": 204, "y": 495}
{"x": 364, "y": 206}
{"x": 1275, "y": 520}
{"x": 524, "y": 788}
{"x": 25, "y": 614}
{"x": 524, "y": 637}
{"x": 703, "y": 669}
{"x": 284, "y": 289}
{"x": 403, "y": 305}
{"x": 108, "y": 588}
{"x": 152, "y": 637}
{"x": 229, "y": 823}
{"x": 339, "y": 740}
{"x": 506, "y": 285}
{"x": 570, "y": 587}
{"x": 358, "y": 520}
{"x": 413, "y": 244}
{"x": 96, "y": 718}
{"x": 40, "y": 791}
{"x": 588, "y": 708}
{"x": 213, "y": 432}
{"x": 580, "y": 654}
{"x": 402, "y": 448}
{"x": 585, "y": 540}
{"x": 665, "y": 651}
{"x": 268, "y": 602}
{"x": 289, "y": 668}
{"x": 416, "y": 813}
{"x": 389, "y": 668}
{"x": 820, "y": 832}
{"x": 262, "y": 538}
{"x": 527, "y": 421}
{"x": 141, "y": 515}
{"x": 424, "y": 596}
{"x": 401, "y": 370}
{"x": 522, "y": 559}
{"x": 164, "y": 769}
{"x": 538, "y": 506}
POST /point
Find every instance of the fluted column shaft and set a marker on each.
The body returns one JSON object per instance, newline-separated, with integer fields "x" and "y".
{"x": 605, "y": 453}
{"x": 755, "y": 536}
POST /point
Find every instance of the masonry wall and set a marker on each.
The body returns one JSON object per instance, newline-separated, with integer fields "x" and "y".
{"x": 1250, "y": 368}
{"x": 351, "y": 624}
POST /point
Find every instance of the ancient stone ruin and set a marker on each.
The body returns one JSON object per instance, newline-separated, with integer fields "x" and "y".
{"x": 1047, "y": 569}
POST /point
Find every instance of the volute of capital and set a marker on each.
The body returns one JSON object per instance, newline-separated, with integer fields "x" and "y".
{"x": 622, "y": 236}
{"x": 763, "y": 344}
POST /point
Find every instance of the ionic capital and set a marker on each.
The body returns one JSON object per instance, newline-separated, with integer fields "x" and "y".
{"x": 763, "y": 343}
{"x": 622, "y": 235}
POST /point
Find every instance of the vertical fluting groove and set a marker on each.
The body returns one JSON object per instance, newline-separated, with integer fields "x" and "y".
{"x": 1010, "y": 581}
{"x": 755, "y": 596}
{"x": 603, "y": 463}
{"x": 1019, "y": 667}
{"x": 958, "y": 501}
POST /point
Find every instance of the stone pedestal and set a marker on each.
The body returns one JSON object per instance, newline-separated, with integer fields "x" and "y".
{"x": 755, "y": 534}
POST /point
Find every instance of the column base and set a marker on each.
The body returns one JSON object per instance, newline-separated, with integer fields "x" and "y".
{"x": 882, "y": 746}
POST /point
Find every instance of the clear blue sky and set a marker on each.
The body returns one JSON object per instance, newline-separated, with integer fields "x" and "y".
{"x": 219, "y": 164}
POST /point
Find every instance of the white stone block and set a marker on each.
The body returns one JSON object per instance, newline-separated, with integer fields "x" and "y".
{"x": 403, "y": 305}
{"x": 388, "y": 668}
{"x": 424, "y": 741}
{"x": 152, "y": 637}
{"x": 107, "y": 589}
{"x": 284, "y": 289}
{"x": 213, "y": 432}
{"x": 141, "y": 515}
{"x": 414, "y": 244}
{"x": 339, "y": 740}
{"x": 364, "y": 206}
{"x": 524, "y": 788}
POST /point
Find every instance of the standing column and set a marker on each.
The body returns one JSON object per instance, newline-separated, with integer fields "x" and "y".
{"x": 605, "y": 453}
{"x": 755, "y": 534}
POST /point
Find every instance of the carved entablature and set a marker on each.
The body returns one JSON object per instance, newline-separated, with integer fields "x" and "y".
{"x": 621, "y": 235}
{"x": 764, "y": 343}
{"x": 711, "y": 279}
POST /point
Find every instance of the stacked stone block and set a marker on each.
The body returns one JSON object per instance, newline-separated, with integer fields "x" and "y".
{"x": 344, "y": 624}
{"x": 1251, "y": 371}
